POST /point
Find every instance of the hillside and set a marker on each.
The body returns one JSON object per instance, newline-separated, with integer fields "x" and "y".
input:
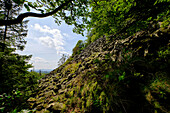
{"x": 112, "y": 75}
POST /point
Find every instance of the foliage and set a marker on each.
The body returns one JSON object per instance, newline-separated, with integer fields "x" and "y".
{"x": 79, "y": 47}
{"x": 136, "y": 82}
{"x": 9, "y": 101}
{"x": 76, "y": 12}
{"x": 13, "y": 68}
{"x": 12, "y": 35}
{"x": 16, "y": 99}
{"x": 16, "y": 84}
{"x": 124, "y": 17}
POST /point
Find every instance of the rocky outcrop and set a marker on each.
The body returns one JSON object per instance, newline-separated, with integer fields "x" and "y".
{"x": 86, "y": 83}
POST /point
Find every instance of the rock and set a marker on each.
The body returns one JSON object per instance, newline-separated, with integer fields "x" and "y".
{"x": 31, "y": 99}
{"x": 40, "y": 107}
{"x": 40, "y": 100}
{"x": 43, "y": 111}
{"x": 57, "y": 107}
{"x": 31, "y": 102}
{"x": 54, "y": 89}
{"x": 62, "y": 91}
{"x": 50, "y": 93}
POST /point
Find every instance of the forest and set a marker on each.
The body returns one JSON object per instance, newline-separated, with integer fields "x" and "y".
{"x": 121, "y": 67}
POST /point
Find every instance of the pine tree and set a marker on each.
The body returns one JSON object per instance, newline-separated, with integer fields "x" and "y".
{"x": 13, "y": 66}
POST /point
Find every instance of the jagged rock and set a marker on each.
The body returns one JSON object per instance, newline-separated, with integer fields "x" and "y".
{"x": 62, "y": 91}
{"x": 31, "y": 101}
{"x": 58, "y": 86}
{"x": 40, "y": 100}
{"x": 49, "y": 93}
{"x": 43, "y": 111}
{"x": 56, "y": 107}
{"x": 40, "y": 107}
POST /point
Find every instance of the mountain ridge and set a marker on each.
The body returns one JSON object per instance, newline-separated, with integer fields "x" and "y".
{"x": 110, "y": 75}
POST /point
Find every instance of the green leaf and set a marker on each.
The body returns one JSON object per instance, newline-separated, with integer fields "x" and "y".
{"x": 51, "y": 3}
{"x": 30, "y": 4}
{"x": 42, "y": 11}
{"x": 122, "y": 77}
{"x": 107, "y": 76}
{"x": 35, "y": 4}
{"x": 16, "y": 1}
{"x": 27, "y": 7}
{"x": 19, "y": 2}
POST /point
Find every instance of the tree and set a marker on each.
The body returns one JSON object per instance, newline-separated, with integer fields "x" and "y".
{"x": 79, "y": 47}
{"x": 13, "y": 66}
{"x": 12, "y": 35}
{"x": 16, "y": 82}
{"x": 73, "y": 12}
{"x": 124, "y": 16}
{"x": 63, "y": 59}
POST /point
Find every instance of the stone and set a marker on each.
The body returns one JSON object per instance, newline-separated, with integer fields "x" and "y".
{"x": 40, "y": 107}
{"x": 56, "y": 107}
{"x": 62, "y": 91}
{"x": 31, "y": 99}
{"x": 43, "y": 111}
{"x": 40, "y": 100}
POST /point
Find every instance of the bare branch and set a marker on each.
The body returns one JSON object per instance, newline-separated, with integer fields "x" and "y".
{"x": 20, "y": 18}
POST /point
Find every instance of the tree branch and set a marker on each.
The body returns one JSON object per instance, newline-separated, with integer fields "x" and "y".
{"x": 20, "y": 18}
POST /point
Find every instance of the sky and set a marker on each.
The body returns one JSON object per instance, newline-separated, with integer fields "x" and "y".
{"x": 46, "y": 42}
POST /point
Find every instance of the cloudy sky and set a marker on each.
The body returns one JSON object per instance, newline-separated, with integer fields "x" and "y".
{"x": 46, "y": 42}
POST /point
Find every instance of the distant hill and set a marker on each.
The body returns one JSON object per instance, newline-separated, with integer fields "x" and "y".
{"x": 42, "y": 70}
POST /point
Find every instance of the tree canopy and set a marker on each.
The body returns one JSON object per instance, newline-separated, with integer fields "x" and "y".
{"x": 102, "y": 16}
{"x": 15, "y": 78}
{"x": 73, "y": 12}
{"x": 125, "y": 16}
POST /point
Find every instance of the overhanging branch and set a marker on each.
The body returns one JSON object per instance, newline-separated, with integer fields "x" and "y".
{"x": 20, "y": 18}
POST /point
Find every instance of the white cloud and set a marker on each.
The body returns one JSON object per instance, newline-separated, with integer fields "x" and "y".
{"x": 38, "y": 60}
{"x": 41, "y": 63}
{"x": 47, "y": 41}
{"x": 63, "y": 52}
{"x": 51, "y": 38}
{"x": 66, "y": 35}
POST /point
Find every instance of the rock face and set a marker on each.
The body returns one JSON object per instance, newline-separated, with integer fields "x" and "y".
{"x": 100, "y": 78}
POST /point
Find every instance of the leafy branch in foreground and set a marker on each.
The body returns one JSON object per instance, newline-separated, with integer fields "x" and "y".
{"x": 20, "y": 18}
{"x": 73, "y": 12}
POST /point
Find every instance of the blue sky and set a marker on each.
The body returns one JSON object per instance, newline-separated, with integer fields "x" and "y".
{"x": 46, "y": 42}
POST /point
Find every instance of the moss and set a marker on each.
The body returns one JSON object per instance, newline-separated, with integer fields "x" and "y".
{"x": 89, "y": 101}
{"x": 45, "y": 105}
{"x": 71, "y": 67}
{"x": 31, "y": 99}
{"x": 68, "y": 61}
{"x": 56, "y": 98}
{"x": 71, "y": 93}
{"x": 70, "y": 85}
{"x": 57, "y": 77}
{"x": 102, "y": 97}
{"x": 62, "y": 80}
{"x": 46, "y": 111}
